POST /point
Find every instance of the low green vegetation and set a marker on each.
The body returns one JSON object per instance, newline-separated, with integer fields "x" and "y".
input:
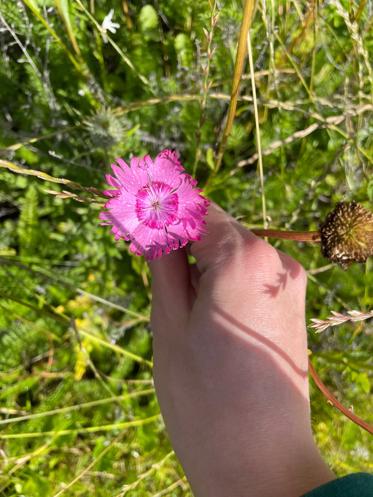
{"x": 77, "y": 405}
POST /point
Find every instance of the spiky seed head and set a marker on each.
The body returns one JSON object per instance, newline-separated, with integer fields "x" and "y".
{"x": 106, "y": 129}
{"x": 347, "y": 234}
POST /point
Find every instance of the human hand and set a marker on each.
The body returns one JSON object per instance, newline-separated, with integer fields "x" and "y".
{"x": 230, "y": 365}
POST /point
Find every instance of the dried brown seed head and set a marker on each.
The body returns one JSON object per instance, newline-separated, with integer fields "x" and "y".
{"x": 347, "y": 234}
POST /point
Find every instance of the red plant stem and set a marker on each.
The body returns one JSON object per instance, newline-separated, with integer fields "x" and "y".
{"x": 298, "y": 236}
{"x": 349, "y": 414}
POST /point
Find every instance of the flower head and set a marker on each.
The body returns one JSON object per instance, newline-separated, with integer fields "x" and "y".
{"x": 109, "y": 25}
{"x": 155, "y": 205}
{"x": 347, "y": 234}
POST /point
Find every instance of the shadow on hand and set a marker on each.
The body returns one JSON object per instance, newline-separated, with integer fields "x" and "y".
{"x": 269, "y": 344}
{"x": 291, "y": 269}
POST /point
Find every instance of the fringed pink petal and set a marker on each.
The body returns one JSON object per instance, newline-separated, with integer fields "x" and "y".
{"x": 155, "y": 205}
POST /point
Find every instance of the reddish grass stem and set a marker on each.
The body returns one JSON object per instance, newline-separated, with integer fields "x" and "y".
{"x": 298, "y": 236}
{"x": 349, "y": 414}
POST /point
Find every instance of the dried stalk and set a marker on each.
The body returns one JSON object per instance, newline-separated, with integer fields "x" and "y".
{"x": 238, "y": 68}
{"x": 298, "y": 236}
{"x": 64, "y": 194}
{"x": 328, "y": 123}
{"x": 206, "y": 83}
{"x": 47, "y": 177}
{"x": 257, "y": 132}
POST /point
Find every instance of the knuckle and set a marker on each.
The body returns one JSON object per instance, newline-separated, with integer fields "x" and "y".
{"x": 259, "y": 251}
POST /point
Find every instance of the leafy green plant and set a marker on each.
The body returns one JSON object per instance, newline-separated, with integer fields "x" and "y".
{"x": 278, "y": 141}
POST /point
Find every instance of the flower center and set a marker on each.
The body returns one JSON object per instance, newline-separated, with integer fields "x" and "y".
{"x": 156, "y": 205}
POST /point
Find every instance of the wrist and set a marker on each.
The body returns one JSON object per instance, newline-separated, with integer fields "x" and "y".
{"x": 278, "y": 467}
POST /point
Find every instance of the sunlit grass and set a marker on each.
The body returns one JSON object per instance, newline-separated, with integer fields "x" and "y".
{"x": 276, "y": 138}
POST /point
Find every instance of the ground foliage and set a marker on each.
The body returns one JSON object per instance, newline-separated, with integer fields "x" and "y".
{"x": 75, "y": 344}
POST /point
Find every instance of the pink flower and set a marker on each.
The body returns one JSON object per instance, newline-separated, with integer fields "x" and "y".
{"x": 155, "y": 205}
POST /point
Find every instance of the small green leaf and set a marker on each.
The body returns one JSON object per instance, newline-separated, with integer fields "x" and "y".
{"x": 148, "y": 18}
{"x": 28, "y": 229}
{"x": 28, "y": 155}
{"x": 64, "y": 10}
{"x": 363, "y": 380}
{"x": 210, "y": 159}
{"x": 370, "y": 190}
{"x": 184, "y": 49}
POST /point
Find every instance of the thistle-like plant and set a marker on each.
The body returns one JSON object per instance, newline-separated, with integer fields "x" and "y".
{"x": 345, "y": 236}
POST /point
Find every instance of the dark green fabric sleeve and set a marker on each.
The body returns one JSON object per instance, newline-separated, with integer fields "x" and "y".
{"x": 354, "y": 485}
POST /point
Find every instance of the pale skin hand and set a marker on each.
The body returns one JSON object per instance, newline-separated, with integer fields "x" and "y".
{"x": 230, "y": 365}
